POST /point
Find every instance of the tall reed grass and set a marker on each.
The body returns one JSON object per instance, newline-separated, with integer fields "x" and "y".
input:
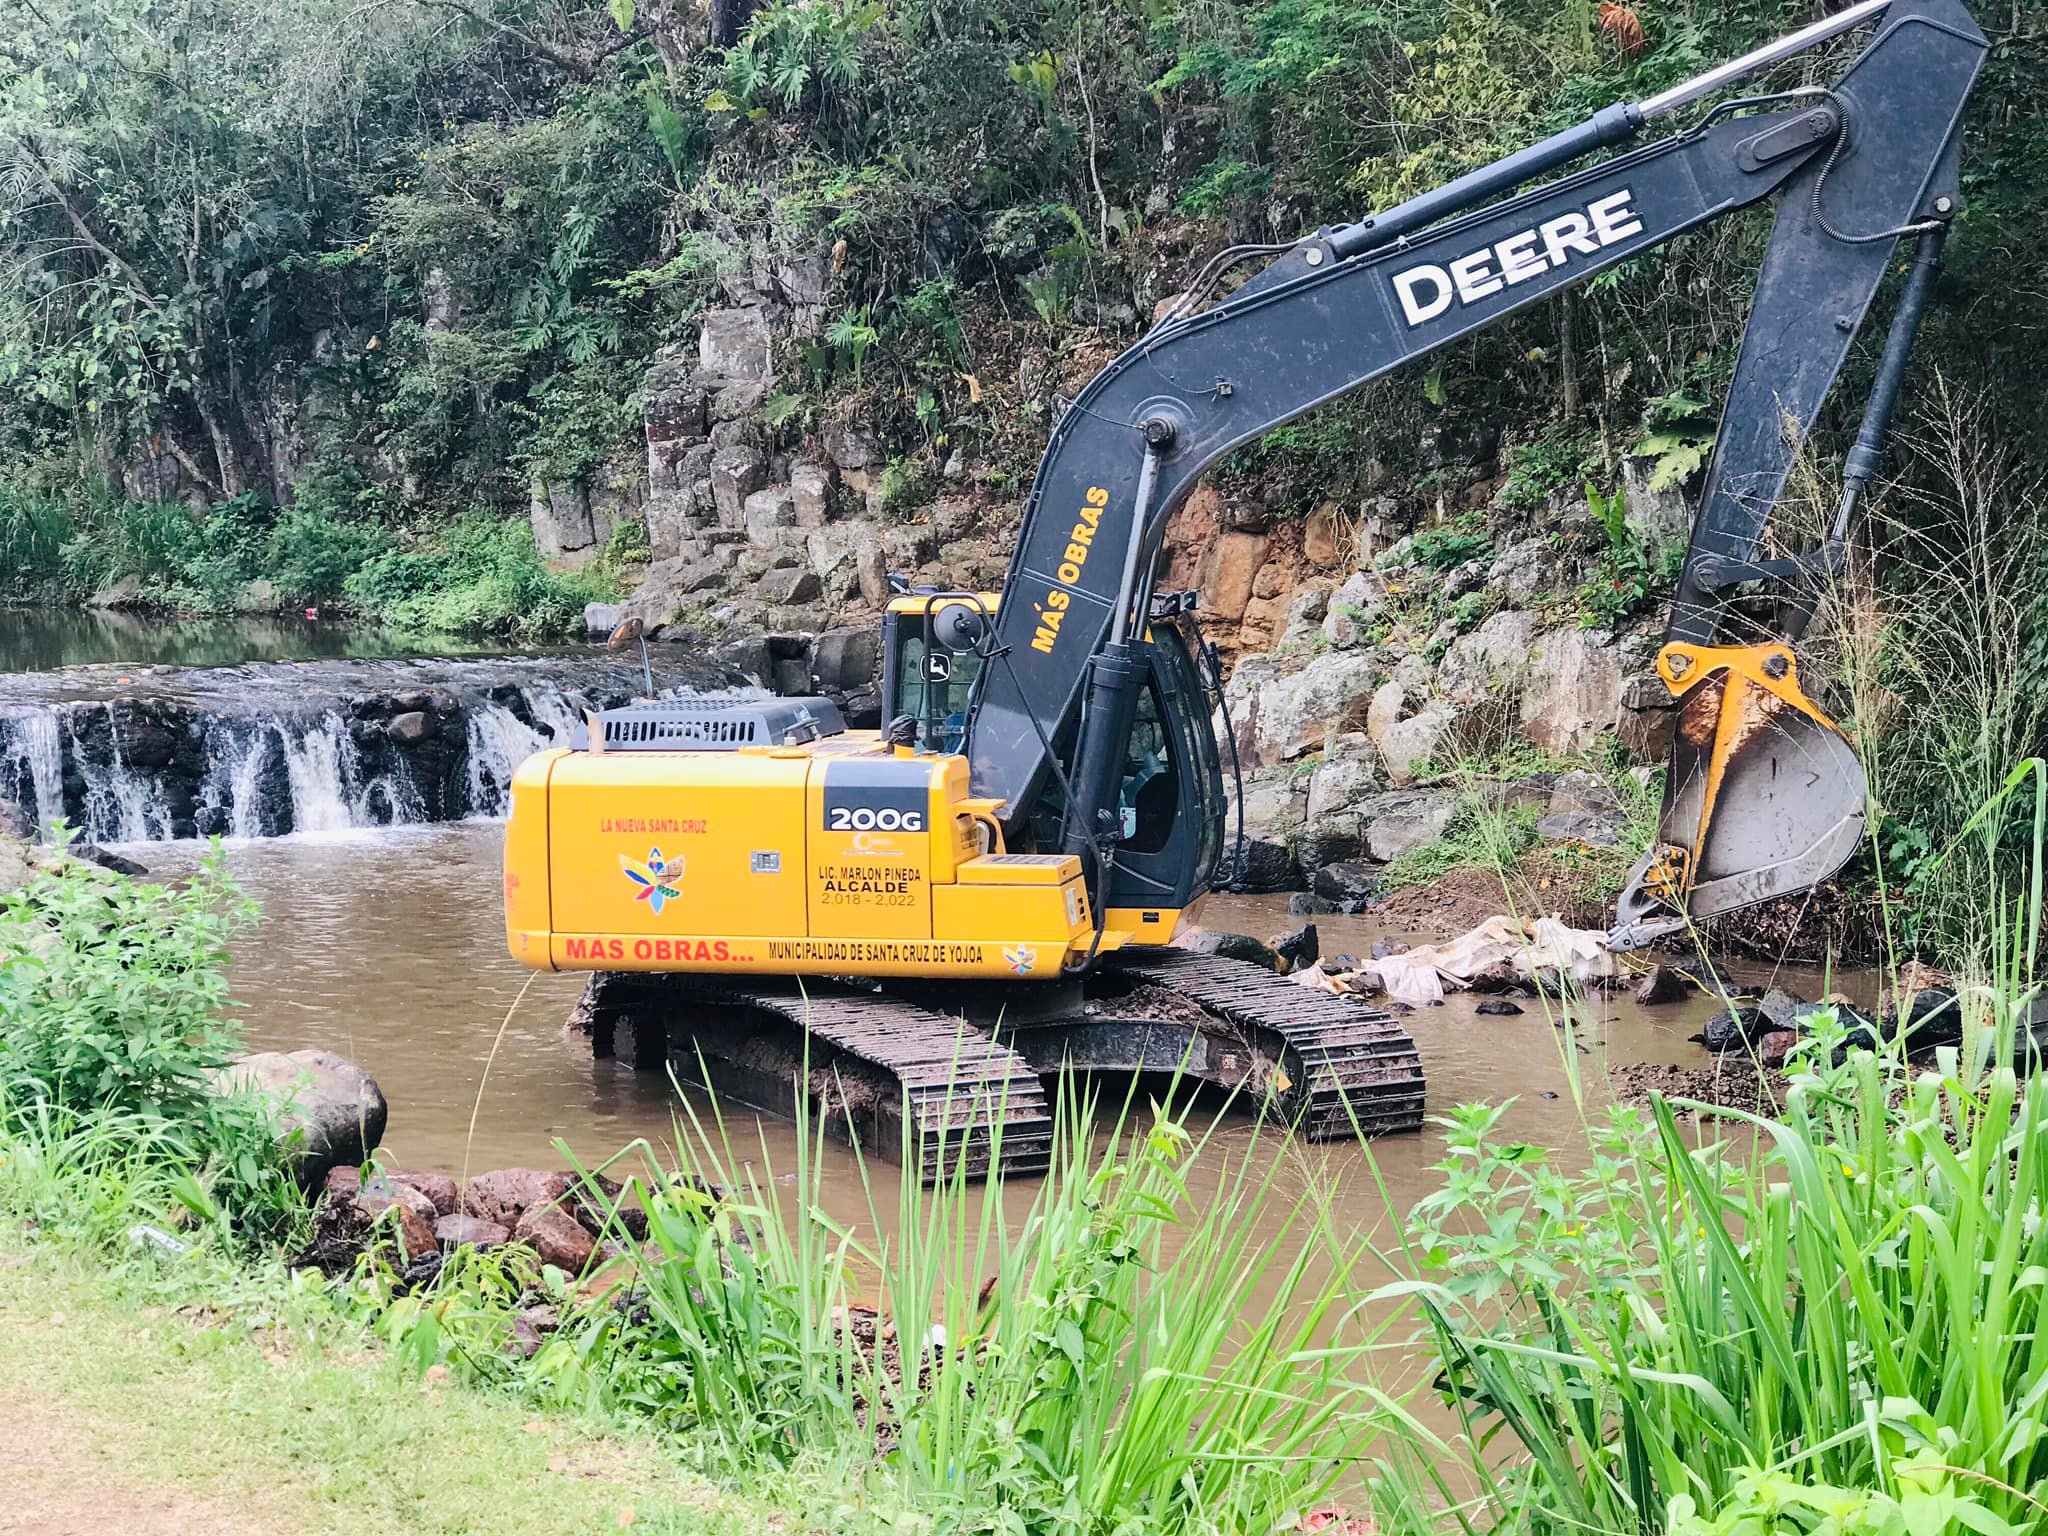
{"x": 1834, "y": 1320}
{"x": 1136, "y": 1350}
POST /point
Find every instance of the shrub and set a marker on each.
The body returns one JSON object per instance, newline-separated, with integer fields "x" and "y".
{"x": 480, "y": 575}
{"x": 313, "y": 552}
{"x": 112, "y": 1012}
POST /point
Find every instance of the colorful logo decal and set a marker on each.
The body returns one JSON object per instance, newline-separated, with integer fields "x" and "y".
{"x": 1021, "y": 957}
{"x": 654, "y": 878}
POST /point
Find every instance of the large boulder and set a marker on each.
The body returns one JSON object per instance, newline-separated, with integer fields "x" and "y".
{"x": 1305, "y": 612}
{"x": 1420, "y": 742}
{"x": 1353, "y": 610}
{"x": 1528, "y": 570}
{"x": 562, "y": 526}
{"x": 789, "y": 584}
{"x": 672, "y": 408}
{"x": 665, "y": 588}
{"x": 810, "y": 489}
{"x": 330, "y": 1112}
{"x": 734, "y": 345}
{"x": 1272, "y": 816}
{"x": 737, "y": 471}
{"x": 851, "y": 559}
{"x": 1347, "y": 887}
{"x": 1295, "y": 714}
{"x": 1401, "y": 823}
{"x": 767, "y": 513}
{"x": 1230, "y": 572}
{"x": 557, "y": 1237}
{"x": 1333, "y": 830}
{"x": 1572, "y": 695}
{"x": 843, "y": 660}
{"x": 1489, "y": 661}
{"x": 849, "y": 447}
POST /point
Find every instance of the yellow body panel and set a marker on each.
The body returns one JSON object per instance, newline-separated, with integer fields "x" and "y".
{"x": 841, "y": 857}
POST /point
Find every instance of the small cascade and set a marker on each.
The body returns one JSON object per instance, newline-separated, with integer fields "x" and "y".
{"x": 324, "y": 769}
{"x": 32, "y": 764}
{"x": 499, "y": 741}
{"x": 122, "y": 804}
{"x": 266, "y": 750}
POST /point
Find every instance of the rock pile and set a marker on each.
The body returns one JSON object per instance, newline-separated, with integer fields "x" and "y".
{"x": 416, "y": 1216}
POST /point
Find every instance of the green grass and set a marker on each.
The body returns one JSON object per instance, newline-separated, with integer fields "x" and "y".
{"x": 248, "y": 1391}
{"x": 1851, "y": 1296}
{"x": 1118, "y": 1347}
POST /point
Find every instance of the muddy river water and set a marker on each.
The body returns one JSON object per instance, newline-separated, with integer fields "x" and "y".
{"x": 387, "y": 946}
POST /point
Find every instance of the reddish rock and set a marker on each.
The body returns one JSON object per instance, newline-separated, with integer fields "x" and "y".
{"x": 1774, "y": 1047}
{"x": 437, "y": 1187}
{"x": 415, "y": 1235}
{"x": 557, "y": 1237}
{"x": 509, "y": 1193}
{"x": 1230, "y": 572}
{"x": 455, "y": 1231}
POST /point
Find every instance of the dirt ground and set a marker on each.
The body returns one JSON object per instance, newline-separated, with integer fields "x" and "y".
{"x": 63, "y": 1475}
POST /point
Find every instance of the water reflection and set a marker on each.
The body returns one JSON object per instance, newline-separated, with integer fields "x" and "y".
{"x": 38, "y": 639}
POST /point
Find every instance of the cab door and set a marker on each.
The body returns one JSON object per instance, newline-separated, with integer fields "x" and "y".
{"x": 1171, "y": 804}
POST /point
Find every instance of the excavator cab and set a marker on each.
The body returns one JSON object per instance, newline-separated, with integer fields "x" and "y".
{"x": 1170, "y": 806}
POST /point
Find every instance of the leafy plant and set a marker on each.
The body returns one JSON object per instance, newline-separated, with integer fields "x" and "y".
{"x": 850, "y": 337}
{"x": 1678, "y": 434}
{"x": 113, "y": 996}
{"x": 1450, "y": 545}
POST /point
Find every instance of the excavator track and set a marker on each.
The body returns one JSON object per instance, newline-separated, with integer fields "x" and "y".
{"x": 913, "y": 1083}
{"x": 1349, "y": 1069}
{"x": 937, "y": 1091}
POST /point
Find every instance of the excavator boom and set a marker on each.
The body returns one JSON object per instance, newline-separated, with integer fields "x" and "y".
{"x": 1851, "y": 168}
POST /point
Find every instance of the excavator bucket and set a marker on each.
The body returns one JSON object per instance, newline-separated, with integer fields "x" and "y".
{"x": 1764, "y": 795}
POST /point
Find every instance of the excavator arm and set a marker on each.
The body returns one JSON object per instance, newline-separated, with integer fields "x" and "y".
{"x": 1764, "y": 795}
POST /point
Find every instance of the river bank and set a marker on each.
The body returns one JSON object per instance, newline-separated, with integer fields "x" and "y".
{"x": 176, "y": 1403}
{"x": 1179, "y": 1326}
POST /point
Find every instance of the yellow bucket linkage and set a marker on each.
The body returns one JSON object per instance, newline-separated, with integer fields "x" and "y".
{"x": 1764, "y": 794}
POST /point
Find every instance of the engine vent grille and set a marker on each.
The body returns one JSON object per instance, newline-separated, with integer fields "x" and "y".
{"x": 710, "y": 725}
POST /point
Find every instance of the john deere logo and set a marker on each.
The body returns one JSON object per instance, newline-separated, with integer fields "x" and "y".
{"x": 656, "y": 878}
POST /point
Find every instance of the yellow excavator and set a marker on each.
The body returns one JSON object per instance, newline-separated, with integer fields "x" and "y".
{"x": 920, "y": 922}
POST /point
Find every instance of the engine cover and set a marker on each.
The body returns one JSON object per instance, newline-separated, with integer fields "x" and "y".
{"x": 833, "y": 856}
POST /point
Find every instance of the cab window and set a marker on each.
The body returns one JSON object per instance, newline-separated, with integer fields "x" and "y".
{"x": 940, "y": 708}
{"x": 1150, "y": 798}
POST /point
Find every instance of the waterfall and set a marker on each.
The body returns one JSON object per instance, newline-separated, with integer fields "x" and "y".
{"x": 34, "y": 759}
{"x": 122, "y": 805}
{"x": 249, "y": 752}
{"x": 322, "y": 765}
{"x": 499, "y": 741}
